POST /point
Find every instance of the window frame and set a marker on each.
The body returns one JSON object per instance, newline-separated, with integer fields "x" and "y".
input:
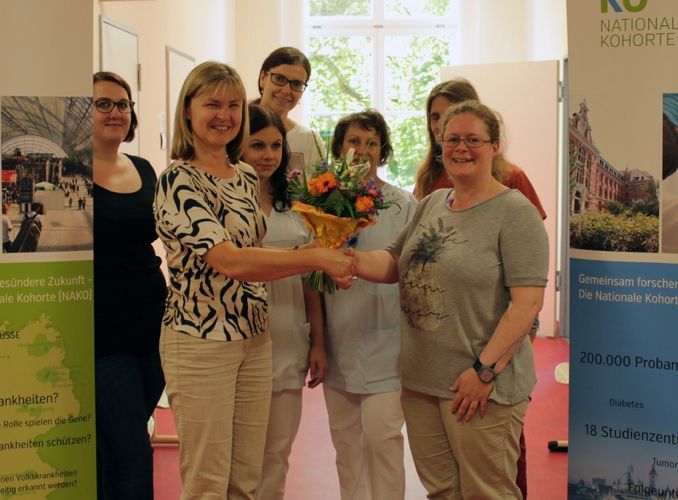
{"x": 378, "y": 27}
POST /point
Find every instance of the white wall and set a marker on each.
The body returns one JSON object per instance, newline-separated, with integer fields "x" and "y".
{"x": 497, "y": 31}
{"x": 204, "y": 29}
{"x": 41, "y": 55}
{"x": 261, "y": 27}
{"x": 547, "y": 25}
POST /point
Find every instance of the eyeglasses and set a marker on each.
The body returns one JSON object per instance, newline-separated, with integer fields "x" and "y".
{"x": 106, "y": 105}
{"x": 282, "y": 80}
{"x": 471, "y": 141}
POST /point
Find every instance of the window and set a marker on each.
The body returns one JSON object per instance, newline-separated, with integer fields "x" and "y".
{"x": 384, "y": 54}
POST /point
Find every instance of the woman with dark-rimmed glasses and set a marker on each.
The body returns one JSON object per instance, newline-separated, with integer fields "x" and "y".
{"x": 283, "y": 78}
{"x": 472, "y": 266}
{"x": 129, "y": 296}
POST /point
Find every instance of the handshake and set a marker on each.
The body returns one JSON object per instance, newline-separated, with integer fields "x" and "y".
{"x": 342, "y": 266}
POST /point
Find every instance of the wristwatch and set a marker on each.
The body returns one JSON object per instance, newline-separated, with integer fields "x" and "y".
{"x": 485, "y": 373}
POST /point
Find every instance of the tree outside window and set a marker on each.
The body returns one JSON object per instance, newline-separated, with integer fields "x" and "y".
{"x": 384, "y": 54}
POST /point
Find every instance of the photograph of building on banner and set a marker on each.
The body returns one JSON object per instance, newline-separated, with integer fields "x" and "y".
{"x": 670, "y": 174}
{"x": 623, "y": 273}
{"x": 46, "y": 171}
{"x": 612, "y": 207}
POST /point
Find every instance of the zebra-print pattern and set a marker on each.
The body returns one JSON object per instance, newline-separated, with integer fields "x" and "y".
{"x": 194, "y": 211}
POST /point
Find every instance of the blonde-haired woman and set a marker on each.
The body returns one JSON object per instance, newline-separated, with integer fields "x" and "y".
{"x": 472, "y": 268}
{"x": 215, "y": 346}
{"x": 431, "y": 174}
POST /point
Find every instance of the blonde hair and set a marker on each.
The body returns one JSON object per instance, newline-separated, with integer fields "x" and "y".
{"x": 210, "y": 76}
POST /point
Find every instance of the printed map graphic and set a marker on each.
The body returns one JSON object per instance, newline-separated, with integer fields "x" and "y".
{"x": 38, "y": 411}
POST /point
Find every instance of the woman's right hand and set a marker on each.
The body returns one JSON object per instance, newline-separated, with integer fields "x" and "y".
{"x": 336, "y": 263}
{"x": 345, "y": 282}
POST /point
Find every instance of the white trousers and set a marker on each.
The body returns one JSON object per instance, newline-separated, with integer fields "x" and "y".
{"x": 283, "y": 424}
{"x": 367, "y": 435}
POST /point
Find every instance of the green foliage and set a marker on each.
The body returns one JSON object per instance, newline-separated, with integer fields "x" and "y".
{"x": 614, "y": 207}
{"x": 645, "y": 207}
{"x": 340, "y": 7}
{"x": 343, "y": 79}
{"x": 412, "y": 67}
{"x": 649, "y": 205}
{"x": 624, "y": 233}
{"x": 408, "y": 136}
{"x": 409, "y": 8}
{"x": 342, "y": 73}
{"x": 342, "y": 83}
{"x": 399, "y": 8}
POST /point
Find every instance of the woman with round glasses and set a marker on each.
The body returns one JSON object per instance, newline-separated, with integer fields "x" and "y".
{"x": 472, "y": 268}
{"x": 283, "y": 78}
{"x": 129, "y": 295}
{"x": 432, "y": 175}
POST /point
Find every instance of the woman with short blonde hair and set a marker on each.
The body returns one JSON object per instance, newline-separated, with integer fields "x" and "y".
{"x": 215, "y": 344}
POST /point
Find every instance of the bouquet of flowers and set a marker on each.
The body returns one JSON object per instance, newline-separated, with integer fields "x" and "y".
{"x": 335, "y": 203}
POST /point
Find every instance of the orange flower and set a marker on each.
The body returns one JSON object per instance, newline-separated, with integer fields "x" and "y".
{"x": 363, "y": 203}
{"x": 322, "y": 184}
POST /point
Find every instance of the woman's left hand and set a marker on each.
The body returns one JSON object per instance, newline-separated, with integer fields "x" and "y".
{"x": 472, "y": 394}
{"x": 317, "y": 369}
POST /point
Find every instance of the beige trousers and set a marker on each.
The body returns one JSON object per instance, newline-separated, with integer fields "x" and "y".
{"x": 366, "y": 431}
{"x": 219, "y": 393}
{"x": 470, "y": 461}
{"x": 283, "y": 424}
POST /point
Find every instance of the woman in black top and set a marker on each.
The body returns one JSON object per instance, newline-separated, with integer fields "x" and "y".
{"x": 129, "y": 295}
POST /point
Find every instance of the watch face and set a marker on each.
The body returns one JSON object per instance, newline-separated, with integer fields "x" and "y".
{"x": 486, "y": 374}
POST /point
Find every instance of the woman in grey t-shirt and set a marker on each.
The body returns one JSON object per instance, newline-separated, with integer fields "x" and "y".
{"x": 472, "y": 268}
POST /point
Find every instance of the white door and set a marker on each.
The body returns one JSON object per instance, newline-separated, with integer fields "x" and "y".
{"x": 119, "y": 49}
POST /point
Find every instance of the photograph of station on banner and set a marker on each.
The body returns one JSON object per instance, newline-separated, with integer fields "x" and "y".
{"x": 610, "y": 209}
{"x": 46, "y": 173}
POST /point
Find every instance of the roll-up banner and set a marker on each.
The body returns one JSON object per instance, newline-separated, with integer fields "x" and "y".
{"x": 47, "y": 440}
{"x": 623, "y": 222}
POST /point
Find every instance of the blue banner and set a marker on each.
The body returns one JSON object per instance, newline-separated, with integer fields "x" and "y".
{"x": 624, "y": 374}
{"x": 623, "y": 257}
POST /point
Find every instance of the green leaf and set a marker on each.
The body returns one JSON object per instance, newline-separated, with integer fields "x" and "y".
{"x": 336, "y": 203}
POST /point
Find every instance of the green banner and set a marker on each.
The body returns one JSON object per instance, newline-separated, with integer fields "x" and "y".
{"x": 47, "y": 443}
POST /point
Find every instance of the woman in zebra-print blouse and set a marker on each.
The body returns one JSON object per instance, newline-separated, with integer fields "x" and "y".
{"x": 215, "y": 346}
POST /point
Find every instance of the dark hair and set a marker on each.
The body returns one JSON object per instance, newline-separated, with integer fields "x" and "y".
{"x": 210, "y": 76}
{"x": 456, "y": 91}
{"x": 38, "y": 207}
{"x": 109, "y": 76}
{"x": 262, "y": 117}
{"x": 284, "y": 55}
{"x": 368, "y": 119}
